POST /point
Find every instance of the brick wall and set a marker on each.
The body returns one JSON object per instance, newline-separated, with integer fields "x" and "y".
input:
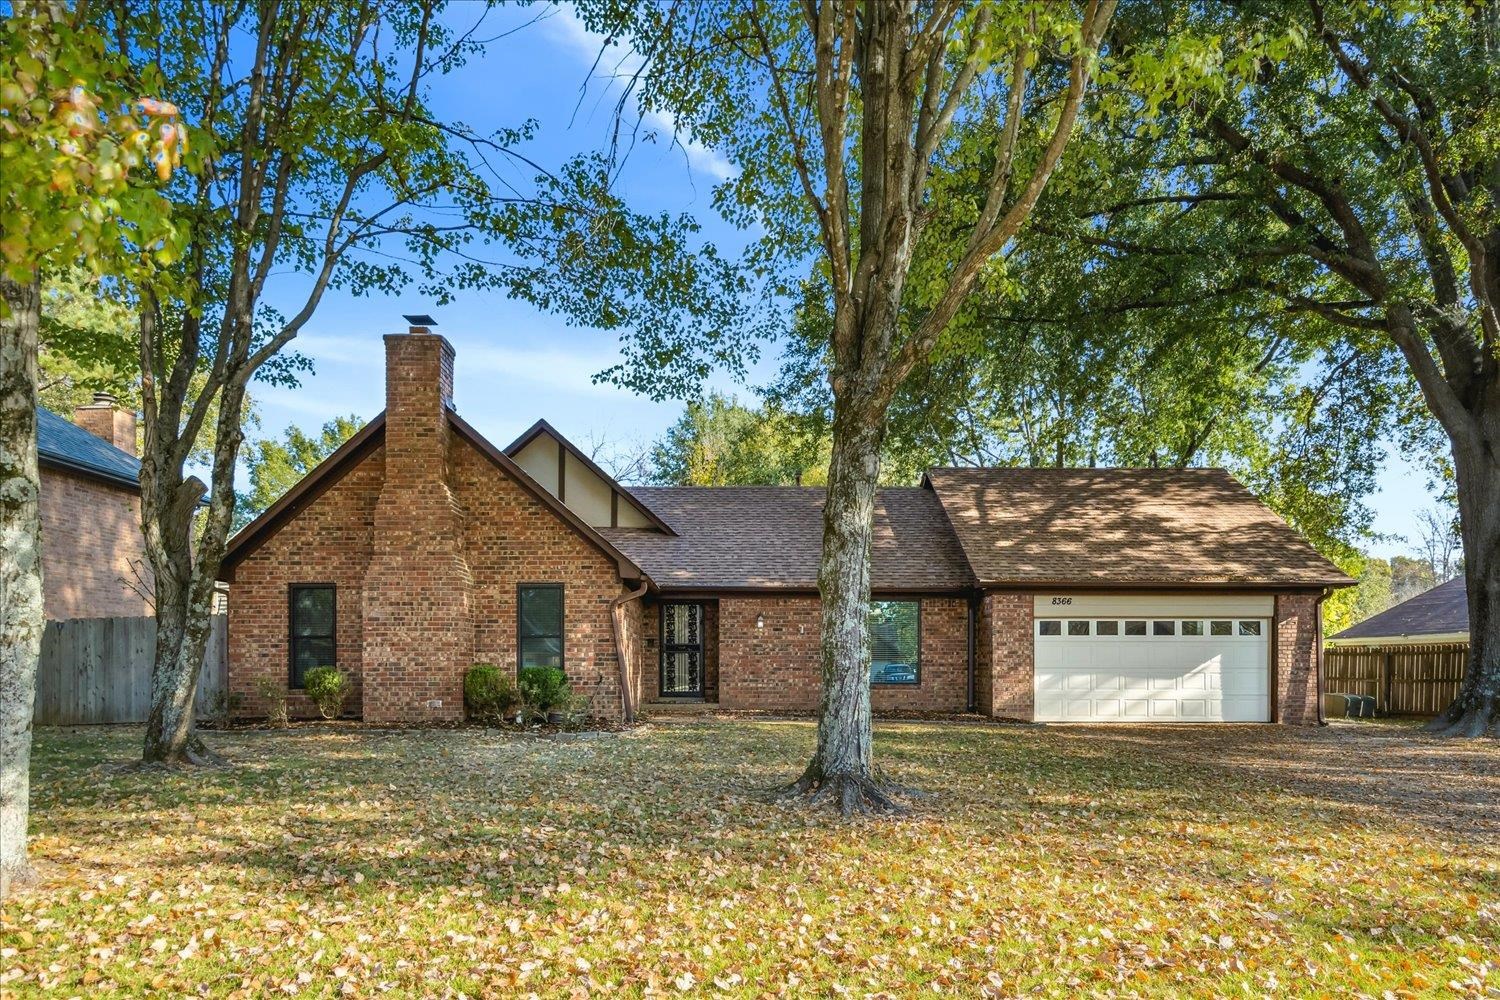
{"x": 984, "y": 674}
{"x": 512, "y": 538}
{"x": 650, "y": 650}
{"x": 1010, "y": 646}
{"x": 509, "y": 537}
{"x": 630, "y": 616}
{"x": 776, "y": 667}
{"x": 328, "y": 541}
{"x": 91, "y": 547}
{"x": 1298, "y": 651}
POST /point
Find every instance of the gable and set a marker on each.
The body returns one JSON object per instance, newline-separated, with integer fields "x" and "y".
{"x": 559, "y": 467}
{"x": 332, "y": 469}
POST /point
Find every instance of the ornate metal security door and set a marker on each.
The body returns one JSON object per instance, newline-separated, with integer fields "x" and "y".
{"x": 682, "y": 650}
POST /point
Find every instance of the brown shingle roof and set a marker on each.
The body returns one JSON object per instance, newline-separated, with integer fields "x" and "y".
{"x": 1442, "y": 610}
{"x": 1153, "y": 527}
{"x": 736, "y": 537}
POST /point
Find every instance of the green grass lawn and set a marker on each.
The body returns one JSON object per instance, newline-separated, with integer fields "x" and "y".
{"x": 1134, "y": 861}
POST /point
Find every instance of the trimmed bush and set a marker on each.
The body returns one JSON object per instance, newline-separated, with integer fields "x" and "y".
{"x": 489, "y": 693}
{"x": 542, "y": 688}
{"x": 327, "y": 687}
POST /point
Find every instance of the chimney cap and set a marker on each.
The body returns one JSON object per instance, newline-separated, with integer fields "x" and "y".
{"x": 105, "y": 399}
{"x": 419, "y": 319}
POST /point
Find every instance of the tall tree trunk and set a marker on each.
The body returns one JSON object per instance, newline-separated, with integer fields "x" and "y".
{"x": 840, "y": 770}
{"x": 1476, "y": 462}
{"x": 21, "y": 613}
{"x": 182, "y": 630}
{"x": 186, "y": 565}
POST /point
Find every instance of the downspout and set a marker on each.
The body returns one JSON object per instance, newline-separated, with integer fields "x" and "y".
{"x": 973, "y": 627}
{"x": 620, "y": 658}
{"x": 1318, "y": 664}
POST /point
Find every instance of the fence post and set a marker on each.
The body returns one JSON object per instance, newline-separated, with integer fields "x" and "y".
{"x": 1386, "y": 669}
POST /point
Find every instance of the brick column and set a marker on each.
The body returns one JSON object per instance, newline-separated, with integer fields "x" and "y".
{"x": 1298, "y": 659}
{"x": 418, "y": 591}
{"x": 1007, "y": 617}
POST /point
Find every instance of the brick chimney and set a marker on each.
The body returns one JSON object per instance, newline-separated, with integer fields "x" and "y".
{"x": 418, "y": 629}
{"x": 106, "y": 418}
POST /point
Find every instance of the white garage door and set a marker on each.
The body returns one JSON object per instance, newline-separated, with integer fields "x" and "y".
{"x": 1157, "y": 668}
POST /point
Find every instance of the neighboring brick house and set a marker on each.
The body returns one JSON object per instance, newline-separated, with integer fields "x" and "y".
{"x": 419, "y": 549}
{"x": 93, "y": 553}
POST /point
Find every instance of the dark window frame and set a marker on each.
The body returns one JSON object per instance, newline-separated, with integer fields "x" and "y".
{"x": 898, "y": 685}
{"x": 292, "y": 589}
{"x": 562, "y": 622}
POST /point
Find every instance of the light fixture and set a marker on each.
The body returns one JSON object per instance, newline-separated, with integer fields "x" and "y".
{"x": 760, "y": 621}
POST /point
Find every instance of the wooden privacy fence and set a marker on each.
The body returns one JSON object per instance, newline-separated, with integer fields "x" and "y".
{"x": 1403, "y": 680}
{"x": 97, "y": 670}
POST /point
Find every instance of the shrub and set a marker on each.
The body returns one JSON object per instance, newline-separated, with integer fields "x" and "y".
{"x": 222, "y": 708}
{"x": 327, "y": 687}
{"x": 274, "y": 695}
{"x": 542, "y": 688}
{"x": 488, "y": 692}
{"x": 574, "y": 708}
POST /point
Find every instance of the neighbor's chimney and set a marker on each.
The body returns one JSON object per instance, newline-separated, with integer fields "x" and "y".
{"x": 105, "y": 418}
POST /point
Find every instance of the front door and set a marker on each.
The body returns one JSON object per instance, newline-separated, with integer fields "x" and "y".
{"x": 682, "y": 650}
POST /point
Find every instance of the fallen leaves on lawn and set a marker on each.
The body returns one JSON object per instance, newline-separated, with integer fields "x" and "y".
{"x": 1131, "y": 862}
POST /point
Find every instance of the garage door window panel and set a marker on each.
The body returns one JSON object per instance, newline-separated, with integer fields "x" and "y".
{"x": 1152, "y": 670}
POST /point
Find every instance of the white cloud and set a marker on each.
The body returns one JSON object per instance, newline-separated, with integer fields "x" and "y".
{"x": 617, "y": 64}
{"x": 566, "y": 371}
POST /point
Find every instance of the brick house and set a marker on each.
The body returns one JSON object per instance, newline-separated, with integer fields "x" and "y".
{"x": 419, "y": 548}
{"x": 93, "y": 553}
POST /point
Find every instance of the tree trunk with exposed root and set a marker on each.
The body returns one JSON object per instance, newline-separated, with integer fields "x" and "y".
{"x": 1476, "y": 710}
{"x": 841, "y": 771}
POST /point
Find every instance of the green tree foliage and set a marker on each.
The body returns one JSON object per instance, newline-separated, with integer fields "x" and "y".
{"x": 74, "y": 131}
{"x": 276, "y": 465}
{"x": 841, "y": 121}
{"x": 319, "y": 160}
{"x": 1355, "y": 176}
{"x": 719, "y": 441}
{"x": 88, "y": 344}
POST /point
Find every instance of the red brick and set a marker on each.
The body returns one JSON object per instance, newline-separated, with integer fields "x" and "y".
{"x": 93, "y": 553}
{"x": 1299, "y": 656}
{"x": 776, "y": 667}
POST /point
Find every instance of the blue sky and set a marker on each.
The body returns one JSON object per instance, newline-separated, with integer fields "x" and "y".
{"x": 514, "y": 362}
